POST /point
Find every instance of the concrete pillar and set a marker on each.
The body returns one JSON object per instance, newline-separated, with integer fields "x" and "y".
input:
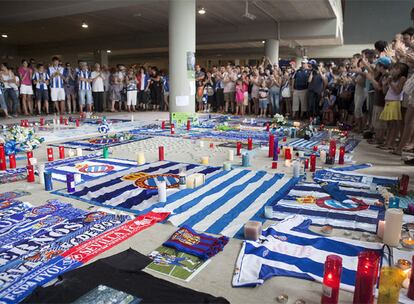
{"x": 272, "y": 50}
{"x": 182, "y": 27}
{"x": 101, "y": 57}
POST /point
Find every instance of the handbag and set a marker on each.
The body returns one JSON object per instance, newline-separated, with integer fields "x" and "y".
{"x": 286, "y": 92}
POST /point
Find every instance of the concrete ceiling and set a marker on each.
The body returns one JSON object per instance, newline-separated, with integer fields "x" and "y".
{"x": 55, "y": 26}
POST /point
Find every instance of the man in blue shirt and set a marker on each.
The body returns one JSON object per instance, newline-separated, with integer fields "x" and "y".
{"x": 300, "y": 89}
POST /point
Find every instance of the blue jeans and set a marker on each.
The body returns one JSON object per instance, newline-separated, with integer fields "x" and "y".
{"x": 11, "y": 93}
{"x": 274, "y": 96}
{"x": 85, "y": 94}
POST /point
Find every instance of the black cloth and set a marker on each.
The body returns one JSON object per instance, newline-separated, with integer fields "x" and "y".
{"x": 121, "y": 272}
{"x": 98, "y": 101}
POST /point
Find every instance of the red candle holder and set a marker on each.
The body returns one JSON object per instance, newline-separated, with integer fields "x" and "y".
{"x": 239, "y": 147}
{"x": 249, "y": 143}
{"x": 331, "y": 279}
{"x": 29, "y": 155}
{"x": 410, "y": 293}
{"x": 77, "y": 123}
{"x": 49, "y": 154}
{"x": 172, "y": 129}
{"x": 12, "y": 161}
{"x": 366, "y": 277}
{"x": 66, "y": 121}
{"x": 274, "y": 165}
{"x": 61, "y": 152}
{"x": 163, "y": 125}
{"x": 332, "y": 148}
{"x": 284, "y": 139}
{"x": 341, "y": 159}
{"x": 315, "y": 148}
{"x": 288, "y": 155}
{"x": 404, "y": 181}
{"x": 267, "y": 127}
{"x": 271, "y": 145}
{"x": 42, "y": 121}
{"x": 312, "y": 163}
{"x": 306, "y": 164}
{"x": 2, "y": 158}
{"x": 188, "y": 125}
{"x": 161, "y": 153}
{"x": 30, "y": 174}
{"x": 211, "y": 145}
{"x": 61, "y": 120}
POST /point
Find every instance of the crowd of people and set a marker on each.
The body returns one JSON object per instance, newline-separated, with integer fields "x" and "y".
{"x": 373, "y": 92}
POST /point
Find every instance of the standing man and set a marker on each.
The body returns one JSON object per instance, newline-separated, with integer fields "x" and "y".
{"x": 300, "y": 90}
{"x": 317, "y": 83}
{"x": 98, "y": 89}
{"x": 57, "y": 91}
{"x": 85, "y": 88}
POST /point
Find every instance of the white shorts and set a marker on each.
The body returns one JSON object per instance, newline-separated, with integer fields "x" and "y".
{"x": 57, "y": 94}
{"x": 26, "y": 89}
{"x": 131, "y": 98}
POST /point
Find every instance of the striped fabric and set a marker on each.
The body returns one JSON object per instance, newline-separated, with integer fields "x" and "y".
{"x": 37, "y": 76}
{"x": 97, "y": 143}
{"x": 84, "y": 85}
{"x": 56, "y": 81}
{"x": 226, "y": 201}
{"x": 92, "y": 169}
{"x": 289, "y": 248}
{"x": 359, "y": 214}
{"x": 353, "y": 179}
{"x": 135, "y": 189}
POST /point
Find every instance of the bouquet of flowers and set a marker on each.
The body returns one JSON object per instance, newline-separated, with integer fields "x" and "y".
{"x": 18, "y": 139}
{"x": 279, "y": 120}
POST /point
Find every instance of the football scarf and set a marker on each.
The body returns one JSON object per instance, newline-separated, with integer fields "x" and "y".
{"x": 7, "y": 196}
{"x": 290, "y": 249}
{"x": 58, "y": 262}
{"x": 201, "y": 245}
{"x": 8, "y": 208}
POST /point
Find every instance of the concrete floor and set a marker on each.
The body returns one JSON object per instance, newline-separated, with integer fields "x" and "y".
{"x": 216, "y": 277}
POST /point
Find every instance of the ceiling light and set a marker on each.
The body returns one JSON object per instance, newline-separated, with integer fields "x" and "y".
{"x": 263, "y": 41}
{"x": 84, "y": 24}
{"x": 4, "y": 36}
{"x": 202, "y": 11}
{"x": 108, "y": 51}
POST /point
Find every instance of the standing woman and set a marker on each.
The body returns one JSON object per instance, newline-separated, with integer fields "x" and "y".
{"x": 255, "y": 81}
{"x": 275, "y": 82}
{"x": 9, "y": 81}
{"x": 98, "y": 89}
{"x": 286, "y": 93}
{"x": 245, "y": 86}
{"x": 26, "y": 89}
{"x": 115, "y": 89}
{"x": 143, "y": 88}
{"x": 131, "y": 88}
{"x": 209, "y": 88}
{"x": 69, "y": 79}
{"x": 156, "y": 89}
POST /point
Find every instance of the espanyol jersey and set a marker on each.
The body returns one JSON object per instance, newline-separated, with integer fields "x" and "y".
{"x": 56, "y": 81}
{"x": 84, "y": 85}
{"x": 41, "y": 79}
{"x": 290, "y": 249}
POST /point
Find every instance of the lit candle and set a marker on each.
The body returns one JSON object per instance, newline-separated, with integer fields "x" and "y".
{"x": 61, "y": 152}
{"x": 249, "y": 143}
{"x": 29, "y": 155}
{"x": 140, "y": 158}
{"x": 380, "y": 229}
{"x": 331, "y": 279}
{"x": 408, "y": 243}
{"x": 275, "y": 149}
{"x": 341, "y": 159}
{"x": 172, "y": 129}
{"x": 410, "y": 293}
{"x": 30, "y": 174}
{"x": 366, "y": 277}
{"x": 49, "y": 154}
{"x": 393, "y": 225}
{"x": 271, "y": 145}
{"x": 312, "y": 163}
{"x": 204, "y": 160}
{"x": 161, "y": 153}
{"x": 332, "y": 148}
{"x": 3, "y": 165}
{"x": 12, "y": 161}
{"x": 239, "y": 147}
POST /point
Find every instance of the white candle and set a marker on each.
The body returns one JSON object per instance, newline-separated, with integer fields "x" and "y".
{"x": 79, "y": 152}
{"x": 323, "y": 156}
{"x": 195, "y": 180}
{"x": 393, "y": 225}
{"x": 33, "y": 161}
{"x": 201, "y": 143}
{"x": 78, "y": 178}
{"x": 231, "y": 155}
{"x": 380, "y": 231}
{"x": 71, "y": 153}
{"x": 141, "y": 158}
{"x": 287, "y": 163}
{"x": 162, "y": 191}
{"x": 296, "y": 168}
{"x": 41, "y": 171}
{"x": 204, "y": 160}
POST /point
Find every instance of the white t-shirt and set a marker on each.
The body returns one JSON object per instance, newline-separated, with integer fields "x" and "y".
{"x": 98, "y": 83}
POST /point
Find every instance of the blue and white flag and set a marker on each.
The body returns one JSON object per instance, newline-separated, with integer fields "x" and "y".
{"x": 290, "y": 249}
{"x": 359, "y": 210}
{"x": 353, "y": 179}
{"x": 135, "y": 189}
{"x": 92, "y": 169}
{"x": 226, "y": 201}
{"x": 8, "y": 208}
